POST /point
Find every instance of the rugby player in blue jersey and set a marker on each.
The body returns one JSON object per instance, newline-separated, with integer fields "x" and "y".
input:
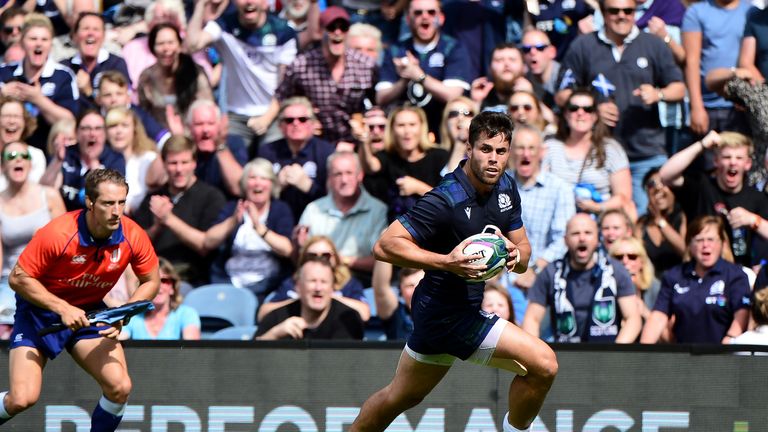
{"x": 448, "y": 322}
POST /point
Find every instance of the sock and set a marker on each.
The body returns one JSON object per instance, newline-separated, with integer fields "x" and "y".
{"x": 509, "y": 428}
{"x": 106, "y": 416}
{"x": 4, "y": 416}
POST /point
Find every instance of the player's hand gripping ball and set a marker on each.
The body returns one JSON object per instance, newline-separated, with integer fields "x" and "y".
{"x": 493, "y": 251}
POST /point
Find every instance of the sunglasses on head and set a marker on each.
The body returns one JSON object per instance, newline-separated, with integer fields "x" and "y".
{"x": 631, "y": 256}
{"x": 338, "y": 25}
{"x": 455, "y": 113}
{"x": 9, "y": 29}
{"x": 615, "y": 11}
{"x": 420, "y": 12}
{"x": 289, "y": 120}
{"x": 524, "y": 107}
{"x": 538, "y": 47}
{"x": 13, "y": 155}
{"x": 589, "y": 109}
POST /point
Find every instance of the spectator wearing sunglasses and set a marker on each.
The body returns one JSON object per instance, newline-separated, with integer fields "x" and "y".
{"x": 584, "y": 155}
{"x": 630, "y": 252}
{"x": 25, "y": 206}
{"x": 371, "y": 135}
{"x": 346, "y": 288}
{"x": 428, "y": 69}
{"x": 506, "y": 70}
{"x": 299, "y": 158}
{"x": 336, "y": 79}
{"x": 526, "y": 109}
{"x": 630, "y": 87}
{"x": 543, "y": 70}
{"x": 454, "y": 130}
{"x": 170, "y": 319}
{"x": 11, "y": 21}
{"x": 662, "y": 228}
{"x": 560, "y": 20}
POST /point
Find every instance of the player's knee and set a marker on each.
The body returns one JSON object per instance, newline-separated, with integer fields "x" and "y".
{"x": 16, "y": 402}
{"x": 119, "y": 391}
{"x": 548, "y": 366}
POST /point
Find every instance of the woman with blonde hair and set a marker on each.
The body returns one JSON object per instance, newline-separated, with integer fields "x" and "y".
{"x": 16, "y": 125}
{"x": 632, "y": 254}
{"x": 256, "y": 236}
{"x": 144, "y": 169}
{"x": 454, "y": 130}
{"x": 348, "y": 289}
{"x": 169, "y": 320}
{"x": 410, "y": 163}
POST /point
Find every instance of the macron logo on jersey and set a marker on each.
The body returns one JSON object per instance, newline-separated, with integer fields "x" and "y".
{"x": 468, "y": 211}
{"x": 505, "y": 202}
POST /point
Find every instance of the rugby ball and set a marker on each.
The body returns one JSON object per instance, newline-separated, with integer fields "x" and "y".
{"x": 493, "y": 251}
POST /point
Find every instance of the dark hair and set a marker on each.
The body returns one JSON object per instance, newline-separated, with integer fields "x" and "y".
{"x": 185, "y": 75}
{"x": 102, "y": 175}
{"x": 600, "y": 131}
{"x": 86, "y": 113}
{"x": 84, "y": 15}
{"x": 177, "y": 144}
{"x": 506, "y": 45}
{"x": 11, "y": 12}
{"x": 490, "y": 124}
{"x": 648, "y": 175}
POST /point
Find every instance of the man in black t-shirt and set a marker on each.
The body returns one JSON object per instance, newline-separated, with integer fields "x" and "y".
{"x": 725, "y": 194}
{"x": 315, "y": 314}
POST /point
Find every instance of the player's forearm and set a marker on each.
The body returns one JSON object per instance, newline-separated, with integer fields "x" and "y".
{"x": 189, "y": 236}
{"x": 148, "y": 287}
{"x": 231, "y": 171}
{"x": 33, "y": 291}
{"x": 440, "y": 91}
{"x": 403, "y": 253}
{"x": 53, "y": 112}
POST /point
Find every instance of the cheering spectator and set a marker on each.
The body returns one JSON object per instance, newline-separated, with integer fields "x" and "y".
{"x": 251, "y": 68}
{"x": 346, "y": 288}
{"x": 336, "y": 79}
{"x": 17, "y": 124}
{"x": 726, "y": 194}
{"x": 256, "y": 238}
{"x": 11, "y": 21}
{"x": 496, "y": 301}
{"x": 662, "y": 228}
{"x": 410, "y": 163}
{"x": 454, "y": 130}
{"x": 169, "y": 320}
{"x": 185, "y": 202}
{"x": 175, "y": 81}
{"x": 585, "y": 156}
{"x": 506, "y": 69}
{"x": 630, "y": 252}
{"x": 316, "y": 314}
{"x": 394, "y": 311}
{"x": 91, "y": 59}
{"x": 366, "y": 39}
{"x": 39, "y": 81}
{"x": 143, "y": 166}
{"x": 589, "y": 295}
{"x": 708, "y": 296}
{"x": 429, "y": 69}
{"x": 543, "y": 70}
{"x": 300, "y": 157}
{"x": 614, "y": 224}
{"x": 348, "y": 215}
{"x": 67, "y": 170}
{"x": 526, "y": 108}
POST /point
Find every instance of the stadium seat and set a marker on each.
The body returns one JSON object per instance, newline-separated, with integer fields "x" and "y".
{"x": 370, "y": 299}
{"x": 221, "y": 306}
{"x": 236, "y": 333}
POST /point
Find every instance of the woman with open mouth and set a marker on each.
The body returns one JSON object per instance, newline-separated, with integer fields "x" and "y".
{"x": 705, "y": 299}
{"x": 17, "y": 124}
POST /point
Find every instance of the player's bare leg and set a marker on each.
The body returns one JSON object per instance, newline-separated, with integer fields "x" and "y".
{"x": 412, "y": 382}
{"x": 104, "y": 360}
{"x": 26, "y": 379}
{"x": 536, "y": 365}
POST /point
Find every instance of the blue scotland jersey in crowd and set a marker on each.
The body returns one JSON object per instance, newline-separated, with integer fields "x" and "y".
{"x": 444, "y": 217}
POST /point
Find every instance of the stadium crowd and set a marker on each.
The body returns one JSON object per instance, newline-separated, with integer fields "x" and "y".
{"x": 268, "y": 143}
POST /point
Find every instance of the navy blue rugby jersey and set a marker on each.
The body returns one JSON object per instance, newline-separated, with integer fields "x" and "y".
{"x": 450, "y": 213}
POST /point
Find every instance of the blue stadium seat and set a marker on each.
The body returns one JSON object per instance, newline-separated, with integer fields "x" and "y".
{"x": 369, "y": 297}
{"x": 236, "y": 333}
{"x": 221, "y": 306}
